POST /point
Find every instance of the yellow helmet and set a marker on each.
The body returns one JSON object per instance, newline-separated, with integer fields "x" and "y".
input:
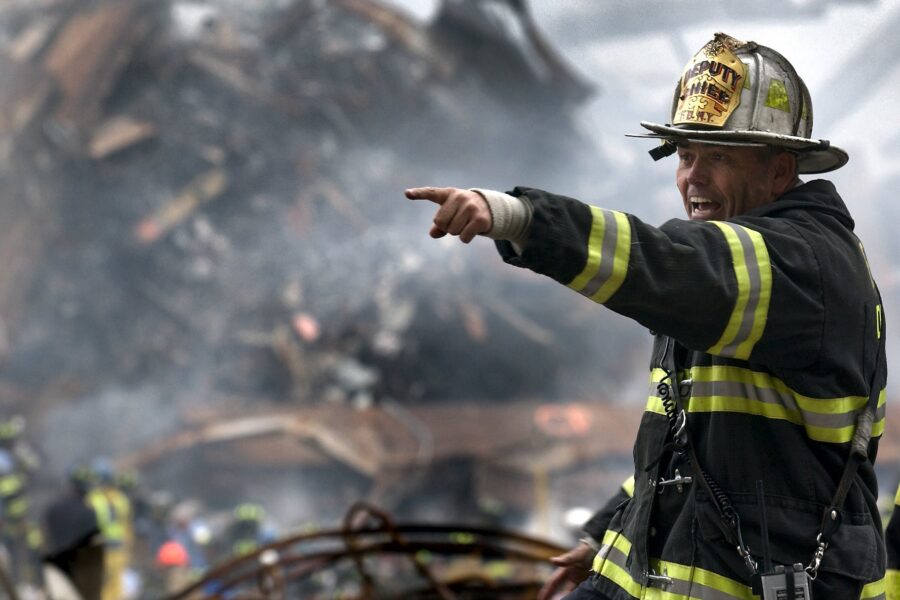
{"x": 249, "y": 512}
{"x": 11, "y": 429}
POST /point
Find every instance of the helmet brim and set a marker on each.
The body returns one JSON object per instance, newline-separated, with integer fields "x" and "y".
{"x": 813, "y": 156}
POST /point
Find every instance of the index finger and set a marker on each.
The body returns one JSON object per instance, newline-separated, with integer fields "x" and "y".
{"x": 435, "y": 194}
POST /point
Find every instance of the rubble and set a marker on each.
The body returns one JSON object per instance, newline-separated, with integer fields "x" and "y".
{"x": 199, "y": 159}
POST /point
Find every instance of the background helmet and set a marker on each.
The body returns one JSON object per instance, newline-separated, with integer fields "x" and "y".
{"x": 249, "y": 512}
{"x": 744, "y": 94}
{"x": 104, "y": 471}
{"x": 11, "y": 429}
{"x": 81, "y": 477}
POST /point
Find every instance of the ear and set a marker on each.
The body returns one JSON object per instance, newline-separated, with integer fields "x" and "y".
{"x": 784, "y": 172}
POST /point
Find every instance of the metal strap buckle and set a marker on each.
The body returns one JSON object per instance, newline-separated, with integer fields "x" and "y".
{"x": 813, "y": 568}
{"x": 678, "y": 481}
{"x": 662, "y": 580}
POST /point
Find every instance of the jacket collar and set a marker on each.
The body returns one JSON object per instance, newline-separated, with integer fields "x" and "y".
{"x": 818, "y": 195}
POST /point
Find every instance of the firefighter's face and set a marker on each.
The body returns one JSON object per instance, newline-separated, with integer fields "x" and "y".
{"x": 718, "y": 182}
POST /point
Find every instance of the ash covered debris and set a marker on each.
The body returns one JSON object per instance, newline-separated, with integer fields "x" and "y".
{"x": 197, "y": 175}
{"x": 202, "y": 210}
{"x": 210, "y": 271}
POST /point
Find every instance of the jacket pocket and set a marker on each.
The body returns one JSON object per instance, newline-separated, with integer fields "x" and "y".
{"x": 856, "y": 549}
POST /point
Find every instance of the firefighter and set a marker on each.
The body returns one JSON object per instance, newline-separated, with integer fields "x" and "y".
{"x": 892, "y": 540}
{"x": 74, "y": 552}
{"x": 766, "y": 398}
{"x": 142, "y": 526}
{"x": 18, "y": 533}
{"x": 113, "y": 512}
{"x": 248, "y": 531}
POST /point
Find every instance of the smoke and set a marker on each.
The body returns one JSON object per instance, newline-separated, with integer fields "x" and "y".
{"x": 287, "y": 196}
{"x": 327, "y": 120}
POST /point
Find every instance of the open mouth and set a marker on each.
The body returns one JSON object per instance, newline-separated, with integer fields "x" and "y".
{"x": 704, "y": 208}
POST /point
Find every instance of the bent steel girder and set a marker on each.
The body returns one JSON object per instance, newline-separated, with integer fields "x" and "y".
{"x": 372, "y": 557}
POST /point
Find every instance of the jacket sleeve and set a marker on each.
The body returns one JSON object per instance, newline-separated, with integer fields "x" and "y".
{"x": 597, "y": 525}
{"x": 749, "y": 288}
{"x": 892, "y": 541}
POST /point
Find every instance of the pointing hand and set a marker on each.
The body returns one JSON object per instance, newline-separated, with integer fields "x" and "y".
{"x": 463, "y": 213}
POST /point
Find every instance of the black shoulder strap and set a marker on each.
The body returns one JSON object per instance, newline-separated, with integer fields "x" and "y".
{"x": 859, "y": 452}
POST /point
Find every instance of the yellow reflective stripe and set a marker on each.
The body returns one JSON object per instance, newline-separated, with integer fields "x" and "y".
{"x": 620, "y": 259}
{"x": 743, "y": 282}
{"x": 862, "y": 251}
{"x": 698, "y": 576}
{"x": 764, "y": 395}
{"x": 761, "y": 314}
{"x": 892, "y": 584}
{"x": 611, "y": 540}
{"x": 897, "y": 497}
{"x": 593, "y": 253}
{"x": 622, "y": 578}
{"x": 654, "y": 403}
{"x": 874, "y": 589}
{"x": 618, "y": 541}
{"x": 112, "y": 527}
{"x": 608, "y": 253}
{"x": 744, "y": 405}
{"x": 242, "y": 547}
{"x": 879, "y": 317}
{"x": 614, "y": 540}
{"x": 16, "y": 508}
{"x": 760, "y": 379}
{"x": 691, "y": 582}
{"x": 34, "y": 538}
{"x": 753, "y": 272}
{"x": 10, "y": 484}
{"x": 628, "y": 486}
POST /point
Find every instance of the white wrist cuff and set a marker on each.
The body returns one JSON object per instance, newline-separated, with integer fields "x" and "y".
{"x": 590, "y": 542}
{"x": 511, "y": 216}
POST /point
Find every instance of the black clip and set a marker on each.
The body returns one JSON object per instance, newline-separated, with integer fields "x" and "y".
{"x": 666, "y": 148}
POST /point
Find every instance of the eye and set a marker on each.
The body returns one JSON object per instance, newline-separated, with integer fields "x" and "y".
{"x": 685, "y": 158}
{"x": 717, "y": 156}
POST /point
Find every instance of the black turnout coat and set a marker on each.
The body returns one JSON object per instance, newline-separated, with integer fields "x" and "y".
{"x": 773, "y": 323}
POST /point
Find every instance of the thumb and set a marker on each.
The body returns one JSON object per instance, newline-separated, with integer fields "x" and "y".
{"x": 563, "y": 560}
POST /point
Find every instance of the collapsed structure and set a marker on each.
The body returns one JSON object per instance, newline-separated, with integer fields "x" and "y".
{"x": 203, "y": 230}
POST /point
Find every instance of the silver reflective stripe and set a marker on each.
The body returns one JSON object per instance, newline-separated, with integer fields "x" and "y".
{"x": 610, "y": 553}
{"x": 736, "y": 389}
{"x": 880, "y": 412}
{"x": 739, "y": 390}
{"x": 607, "y": 256}
{"x": 753, "y": 278}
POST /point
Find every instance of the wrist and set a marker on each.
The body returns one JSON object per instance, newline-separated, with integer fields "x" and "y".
{"x": 591, "y": 542}
{"x": 510, "y": 216}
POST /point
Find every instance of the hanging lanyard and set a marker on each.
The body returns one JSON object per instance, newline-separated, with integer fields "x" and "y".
{"x": 729, "y": 519}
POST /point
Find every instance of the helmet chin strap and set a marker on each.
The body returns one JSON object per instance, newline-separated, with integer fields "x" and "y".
{"x": 666, "y": 148}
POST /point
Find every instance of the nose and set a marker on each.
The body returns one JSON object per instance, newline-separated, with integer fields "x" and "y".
{"x": 697, "y": 173}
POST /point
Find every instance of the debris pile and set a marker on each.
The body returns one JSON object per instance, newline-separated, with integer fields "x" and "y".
{"x": 211, "y": 194}
{"x": 203, "y": 216}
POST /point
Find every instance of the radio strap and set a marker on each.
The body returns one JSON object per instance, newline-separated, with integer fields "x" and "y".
{"x": 859, "y": 453}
